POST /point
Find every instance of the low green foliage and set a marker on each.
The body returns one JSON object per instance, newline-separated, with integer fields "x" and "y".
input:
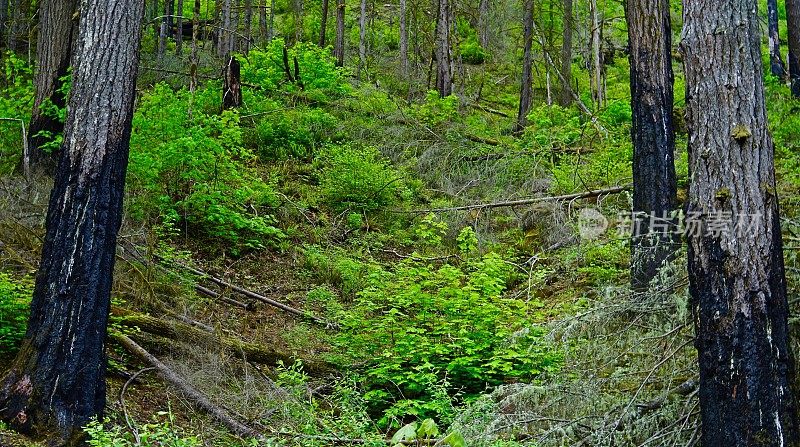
{"x": 294, "y": 133}
{"x": 15, "y": 104}
{"x": 15, "y": 298}
{"x": 157, "y": 434}
{"x": 436, "y": 110}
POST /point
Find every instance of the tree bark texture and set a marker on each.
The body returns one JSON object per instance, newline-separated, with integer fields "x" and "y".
{"x": 338, "y": 47}
{"x": 793, "y": 38}
{"x": 403, "y": 37}
{"x": 56, "y": 384}
{"x": 232, "y": 84}
{"x": 483, "y": 23}
{"x": 17, "y": 36}
{"x": 775, "y": 59}
{"x": 526, "y": 86}
{"x": 323, "y": 26}
{"x": 654, "y": 183}
{"x": 3, "y": 19}
{"x": 566, "y": 55}
{"x": 53, "y": 58}
{"x": 444, "y": 57}
{"x": 247, "y": 25}
{"x": 179, "y": 29}
{"x": 262, "y": 21}
{"x": 362, "y": 39}
{"x": 736, "y": 272}
{"x": 193, "y": 79}
{"x": 598, "y": 92}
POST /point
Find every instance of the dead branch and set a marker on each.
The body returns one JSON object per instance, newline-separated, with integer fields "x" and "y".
{"x": 200, "y": 400}
{"x": 520, "y": 202}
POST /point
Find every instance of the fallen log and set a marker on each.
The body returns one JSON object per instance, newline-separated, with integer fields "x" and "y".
{"x": 200, "y": 400}
{"x": 248, "y": 351}
{"x": 512, "y": 203}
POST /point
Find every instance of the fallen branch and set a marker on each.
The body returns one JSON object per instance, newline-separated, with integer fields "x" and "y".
{"x": 511, "y": 203}
{"x": 200, "y": 400}
{"x": 490, "y": 110}
{"x": 482, "y": 140}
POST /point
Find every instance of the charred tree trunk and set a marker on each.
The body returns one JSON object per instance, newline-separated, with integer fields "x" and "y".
{"x": 338, "y": 47}
{"x": 793, "y": 38}
{"x": 566, "y": 55}
{"x": 179, "y": 29}
{"x": 56, "y": 384}
{"x": 736, "y": 272}
{"x": 526, "y": 86}
{"x": 54, "y": 55}
{"x": 232, "y": 85}
{"x": 775, "y": 59}
{"x": 403, "y": 38}
{"x": 654, "y": 238}
{"x": 444, "y": 58}
{"x": 362, "y": 39}
{"x": 483, "y": 23}
{"x": 323, "y": 26}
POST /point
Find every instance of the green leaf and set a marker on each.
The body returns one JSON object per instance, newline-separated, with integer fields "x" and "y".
{"x": 428, "y": 429}
{"x": 407, "y": 432}
{"x": 454, "y": 439}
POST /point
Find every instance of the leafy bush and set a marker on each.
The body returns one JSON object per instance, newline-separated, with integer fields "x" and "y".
{"x": 15, "y": 299}
{"x": 436, "y": 110}
{"x": 423, "y": 326}
{"x": 194, "y": 172}
{"x": 15, "y": 102}
{"x": 157, "y": 434}
{"x": 472, "y": 52}
{"x": 294, "y": 133}
{"x": 357, "y": 178}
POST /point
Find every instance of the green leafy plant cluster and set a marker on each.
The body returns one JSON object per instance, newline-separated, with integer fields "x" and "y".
{"x": 294, "y": 133}
{"x": 15, "y": 104}
{"x": 15, "y": 299}
{"x": 156, "y": 434}
{"x": 422, "y": 325}
{"x": 435, "y": 110}
{"x": 193, "y": 172}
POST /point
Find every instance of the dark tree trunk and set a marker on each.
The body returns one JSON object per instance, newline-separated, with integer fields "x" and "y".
{"x": 179, "y": 29}
{"x": 403, "y": 38}
{"x": 793, "y": 38}
{"x": 262, "y": 21}
{"x": 232, "y": 85}
{"x": 193, "y": 79}
{"x": 775, "y": 60}
{"x": 338, "y": 47}
{"x": 56, "y": 384}
{"x": 526, "y": 85}
{"x": 654, "y": 184}
{"x": 323, "y": 26}
{"x": 483, "y": 23}
{"x": 54, "y": 55}
{"x": 362, "y": 39}
{"x": 736, "y": 272}
{"x": 444, "y": 58}
{"x": 3, "y": 19}
{"x": 566, "y": 55}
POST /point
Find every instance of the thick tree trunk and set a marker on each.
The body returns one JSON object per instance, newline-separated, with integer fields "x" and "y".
{"x": 736, "y": 272}
{"x": 566, "y": 55}
{"x": 526, "y": 85}
{"x": 598, "y": 92}
{"x": 54, "y": 55}
{"x": 444, "y": 59}
{"x": 654, "y": 184}
{"x": 179, "y": 29}
{"x": 323, "y": 26}
{"x": 57, "y": 382}
{"x": 232, "y": 84}
{"x": 483, "y": 23}
{"x": 793, "y": 38}
{"x": 362, "y": 39}
{"x": 403, "y": 38}
{"x": 338, "y": 47}
{"x": 775, "y": 59}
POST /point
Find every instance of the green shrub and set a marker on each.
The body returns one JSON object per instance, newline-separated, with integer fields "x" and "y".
{"x": 357, "y": 178}
{"x": 16, "y": 103}
{"x": 472, "y": 52}
{"x": 193, "y": 173}
{"x": 421, "y": 326}
{"x": 436, "y": 110}
{"x": 157, "y": 434}
{"x": 15, "y": 299}
{"x": 294, "y": 133}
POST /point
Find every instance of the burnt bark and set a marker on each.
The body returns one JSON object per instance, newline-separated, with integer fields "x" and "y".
{"x": 736, "y": 271}
{"x": 444, "y": 57}
{"x": 526, "y": 86}
{"x": 775, "y": 59}
{"x": 232, "y": 84}
{"x": 56, "y": 384}
{"x": 323, "y": 26}
{"x": 566, "y": 55}
{"x": 654, "y": 238}
{"x": 338, "y": 47}
{"x": 793, "y": 39}
{"x": 53, "y": 58}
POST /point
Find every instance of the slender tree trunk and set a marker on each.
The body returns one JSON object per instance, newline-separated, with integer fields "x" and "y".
{"x": 271, "y": 29}
{"x": 54, "y": 55}
{"x": 775, "y": 59}
{"x": 597, "y": 67}
{"x": 566, "y": 55}
{"x": 225, "y": 39}
{"x": 338, "y": 47}
{"x": 193, "y": 79}
{"x": 527, "y": 65}
{"x": 736, "y": 272}
{"x": 162, "y": 34}
{"x": 3, "y": 19}
{"x": 403, "y": 38}
{"x": 298, "y": 20}
{"x": 248, "y": 25}
{"x": 262, "y": 21}
{"x": 18, "y": 35}
{"x": 179, "y": 30}
{"x": 323, "y": 26}
{"x": 362, "y": 39}
{"x": 444, "y": 58}
{"x": 654, "y": 184}
{"x": 483, "y": 23}
{"x": 56, "y": 384}
{"x": 793, "y": 38}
